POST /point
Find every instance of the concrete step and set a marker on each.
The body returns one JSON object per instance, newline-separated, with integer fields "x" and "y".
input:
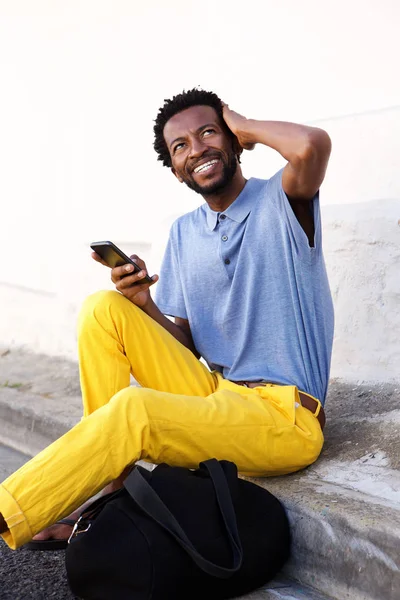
{"x": 344, "y": 510}
{"x": 30, "y": 422}
{"x": 345, "y": 544}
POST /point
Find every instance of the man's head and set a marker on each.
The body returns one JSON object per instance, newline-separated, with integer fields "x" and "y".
{"x": 193, "y": 139}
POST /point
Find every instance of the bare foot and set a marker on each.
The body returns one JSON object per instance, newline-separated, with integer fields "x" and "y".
{"x": 60, "y": 531}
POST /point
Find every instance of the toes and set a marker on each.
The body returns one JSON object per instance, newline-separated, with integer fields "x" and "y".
{"x": 55, "y": 532}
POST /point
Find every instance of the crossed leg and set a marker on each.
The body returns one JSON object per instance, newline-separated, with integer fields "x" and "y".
{"x": 181, "y": 415}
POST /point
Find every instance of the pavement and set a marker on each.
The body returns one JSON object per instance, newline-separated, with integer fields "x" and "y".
{"x": 344, "y": 509}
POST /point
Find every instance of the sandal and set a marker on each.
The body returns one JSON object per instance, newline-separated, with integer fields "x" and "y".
{"x": 51, "y": 544}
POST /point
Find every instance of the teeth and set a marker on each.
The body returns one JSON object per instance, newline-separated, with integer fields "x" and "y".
{"x": 205, "y": 166}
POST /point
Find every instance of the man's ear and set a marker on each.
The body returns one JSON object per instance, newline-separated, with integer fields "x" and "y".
{"x": 179, "y": 178}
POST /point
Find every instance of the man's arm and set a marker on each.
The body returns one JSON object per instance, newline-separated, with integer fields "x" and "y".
{"x": 307, "y": 150}
{"x": 180, "y": 329}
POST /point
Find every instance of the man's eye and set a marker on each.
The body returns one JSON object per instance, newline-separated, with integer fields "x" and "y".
{"x": 208, "y": 131}
{"x": 178, "y": 146}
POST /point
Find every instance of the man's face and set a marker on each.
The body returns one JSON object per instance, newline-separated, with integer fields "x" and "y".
{"x": 201, "y": 150}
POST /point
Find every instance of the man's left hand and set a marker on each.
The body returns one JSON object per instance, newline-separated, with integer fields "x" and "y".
{"x": 238, "y": 125}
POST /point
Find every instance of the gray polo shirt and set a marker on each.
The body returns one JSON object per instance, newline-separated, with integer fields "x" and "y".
{"x": 255, "y": 294}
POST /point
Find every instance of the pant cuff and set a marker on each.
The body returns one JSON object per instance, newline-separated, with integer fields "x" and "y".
{"x": 19, "y": 531}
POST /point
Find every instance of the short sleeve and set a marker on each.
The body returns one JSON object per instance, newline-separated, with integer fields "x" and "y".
{"x": 277, "y": 195}
{"x": 169, "y": 294}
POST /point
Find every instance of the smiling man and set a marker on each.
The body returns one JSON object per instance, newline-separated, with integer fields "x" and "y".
{"x": 209, "y": 168}
{"x": 244, "y": 278}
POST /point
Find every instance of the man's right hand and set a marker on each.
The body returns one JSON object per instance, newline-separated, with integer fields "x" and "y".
{"x": 137, "y": 293}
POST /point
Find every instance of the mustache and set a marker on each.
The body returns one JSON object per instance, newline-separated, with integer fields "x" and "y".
{"x": 204, "y": 158}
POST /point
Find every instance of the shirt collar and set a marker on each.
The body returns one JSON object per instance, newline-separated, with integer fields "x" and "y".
{"x": 237, "y": 211}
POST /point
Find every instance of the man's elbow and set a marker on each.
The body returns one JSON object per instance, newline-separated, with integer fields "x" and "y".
{"x": 308, "y": 165}
{"x": 317, "y": 146}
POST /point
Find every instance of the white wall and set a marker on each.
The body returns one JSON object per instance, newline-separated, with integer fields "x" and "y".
{"x": 81, "y": 85}
{"x": 361, "y": 218}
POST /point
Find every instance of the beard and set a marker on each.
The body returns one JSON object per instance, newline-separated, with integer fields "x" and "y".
{"x": 229, "y": 168}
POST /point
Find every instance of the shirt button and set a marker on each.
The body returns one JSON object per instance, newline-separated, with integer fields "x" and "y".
{"x": 222, "y": 217}
{"x": 227, "y": 261}
{"x": 224, "y": 238}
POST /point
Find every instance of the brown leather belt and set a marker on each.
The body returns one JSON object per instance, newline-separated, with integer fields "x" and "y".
{"x": 306, "y": 401}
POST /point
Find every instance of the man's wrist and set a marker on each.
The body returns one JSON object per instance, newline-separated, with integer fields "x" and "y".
{"x": 248, "y": 131}
{"x": 149, "y": 307}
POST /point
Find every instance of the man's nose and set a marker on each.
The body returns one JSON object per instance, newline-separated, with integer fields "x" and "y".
{"x": 197, "y": 148}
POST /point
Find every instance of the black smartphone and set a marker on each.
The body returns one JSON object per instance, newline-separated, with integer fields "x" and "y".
{"x": 114, "y": 257}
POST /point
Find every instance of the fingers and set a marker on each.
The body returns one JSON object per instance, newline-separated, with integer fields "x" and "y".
{"x": 140, "y": 263}
{"x": 125, "y": 276}
{"x": 122, "y": 272}
{"x": 133, "y": 283}
{"x": 128, "y": 277}
{"x": 118, "y": 272}
{"x": 225, "y": 111}
{"x": 131, "y": 280}
{"x": 237, "y": 124}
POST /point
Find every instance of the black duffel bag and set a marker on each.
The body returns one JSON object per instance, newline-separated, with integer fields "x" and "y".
{"x": 176, "y": 533}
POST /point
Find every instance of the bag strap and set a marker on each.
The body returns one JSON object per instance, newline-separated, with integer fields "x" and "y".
{"x": 150, "y": 502}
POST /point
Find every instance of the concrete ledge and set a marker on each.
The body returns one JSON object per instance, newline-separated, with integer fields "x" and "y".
{"x": 344, "y": 544}
{"x": 29, "y": 423}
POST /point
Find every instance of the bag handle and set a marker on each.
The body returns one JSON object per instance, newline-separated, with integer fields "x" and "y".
{"x": 150, "y": 502}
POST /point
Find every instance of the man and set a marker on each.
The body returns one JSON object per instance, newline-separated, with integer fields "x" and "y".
{"x": 244, "y": 277}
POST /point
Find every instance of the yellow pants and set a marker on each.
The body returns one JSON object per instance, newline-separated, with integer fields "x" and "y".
{"x": 181, "y": 415}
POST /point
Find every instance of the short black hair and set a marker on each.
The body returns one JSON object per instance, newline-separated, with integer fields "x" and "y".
{"x": 194, "y": 97}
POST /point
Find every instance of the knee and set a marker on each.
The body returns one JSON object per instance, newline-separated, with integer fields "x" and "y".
{"x": 130, "y": 405}
{"x": 98, "y": 304}
{"x": 99, "y": 301}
